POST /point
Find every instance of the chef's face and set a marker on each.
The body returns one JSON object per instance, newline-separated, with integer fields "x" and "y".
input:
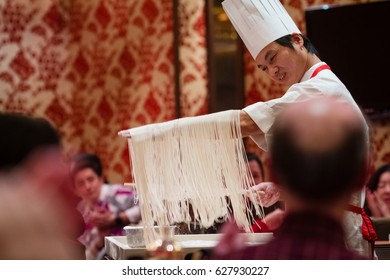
{"x": 284, "y": 65}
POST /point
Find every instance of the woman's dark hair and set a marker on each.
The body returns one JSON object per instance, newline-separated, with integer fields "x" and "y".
{"x": 253, "y": 156}
{"x": 86, "y": 160}
{"x": 286, "y": 42}
{"x": 374, "y": 180}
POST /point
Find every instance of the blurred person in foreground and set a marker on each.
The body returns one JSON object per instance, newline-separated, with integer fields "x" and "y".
{"x": 106, "y": 208}
{"x": 38, "y": 216}
{"x": 319, "y": 157}
{"x": 378, "y": 193}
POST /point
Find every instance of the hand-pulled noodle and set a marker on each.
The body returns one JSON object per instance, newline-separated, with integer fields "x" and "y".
{"x": 196, "y": 163}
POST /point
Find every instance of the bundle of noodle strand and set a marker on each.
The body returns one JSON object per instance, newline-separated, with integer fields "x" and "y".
{"x": 185, "y": 169}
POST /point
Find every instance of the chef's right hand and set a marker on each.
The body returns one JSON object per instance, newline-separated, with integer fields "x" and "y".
{"x": 267, "y": 193}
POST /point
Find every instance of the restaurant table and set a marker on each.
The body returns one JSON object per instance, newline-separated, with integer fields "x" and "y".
{"x": 116, "y": 247}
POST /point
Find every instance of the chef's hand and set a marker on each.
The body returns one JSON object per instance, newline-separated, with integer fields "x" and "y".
{"x": 267, "y": 193}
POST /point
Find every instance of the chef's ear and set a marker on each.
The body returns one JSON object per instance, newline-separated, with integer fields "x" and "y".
{"x": 297, "y": 39}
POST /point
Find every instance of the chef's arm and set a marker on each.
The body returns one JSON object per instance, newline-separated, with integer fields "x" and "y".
{"x": 248, "y": 126}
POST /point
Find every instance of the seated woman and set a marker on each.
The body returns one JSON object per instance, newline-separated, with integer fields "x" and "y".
{"x": 377, "y": 203}
{"x": 106, "y": 209}
{"x": 378, "y": 193}
{"x": 273, "y": 213}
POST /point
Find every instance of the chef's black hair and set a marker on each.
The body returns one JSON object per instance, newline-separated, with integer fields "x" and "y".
{"x": 286, "y": 42}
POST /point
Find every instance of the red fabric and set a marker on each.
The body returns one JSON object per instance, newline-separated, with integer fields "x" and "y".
{"x": 259, "y": 226}
{"x": 319, "y": 69}
{"x": 368, "y": 230}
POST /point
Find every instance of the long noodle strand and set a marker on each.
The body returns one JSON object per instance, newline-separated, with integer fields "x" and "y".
{"x": 197, "y": 162}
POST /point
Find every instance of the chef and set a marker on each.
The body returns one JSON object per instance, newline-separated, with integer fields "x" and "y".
{"x": 288, "y": 58}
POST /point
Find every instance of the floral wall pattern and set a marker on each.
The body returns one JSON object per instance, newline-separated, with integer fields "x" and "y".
{"x": 91, "y": 67}
{"x": 193, "y": 57}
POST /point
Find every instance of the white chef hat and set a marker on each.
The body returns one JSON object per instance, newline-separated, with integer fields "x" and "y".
{"x": 259, "y": 22}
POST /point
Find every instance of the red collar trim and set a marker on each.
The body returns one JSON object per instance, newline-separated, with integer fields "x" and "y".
{"x": 319, "y": 69}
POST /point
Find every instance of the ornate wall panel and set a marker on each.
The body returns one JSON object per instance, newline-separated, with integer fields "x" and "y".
{"x": 193, "y": 57}
{"x": 91, "y": 67}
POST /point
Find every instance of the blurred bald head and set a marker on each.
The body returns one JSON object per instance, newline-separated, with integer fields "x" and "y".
{"x": 319, "y": 149}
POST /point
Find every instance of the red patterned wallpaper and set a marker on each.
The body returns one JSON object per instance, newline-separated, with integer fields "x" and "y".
{"x": 91, "y": 67}
{"x": 193, "y": 58}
